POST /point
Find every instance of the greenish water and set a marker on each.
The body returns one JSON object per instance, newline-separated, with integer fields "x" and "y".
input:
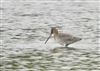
{"x": 25, "y": 25}
{"x": 58, "y": 59}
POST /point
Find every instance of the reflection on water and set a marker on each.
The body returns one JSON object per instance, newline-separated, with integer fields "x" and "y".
{"x": 26, "y": 25}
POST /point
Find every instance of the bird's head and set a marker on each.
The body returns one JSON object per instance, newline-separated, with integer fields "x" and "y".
{"x": 54, "y": 31}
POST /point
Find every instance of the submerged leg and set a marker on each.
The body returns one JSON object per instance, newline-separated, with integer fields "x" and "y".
{"x": 66, "y": 45}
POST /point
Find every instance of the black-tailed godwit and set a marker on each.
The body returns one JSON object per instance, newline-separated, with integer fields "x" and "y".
{"x": 62, "y": 38}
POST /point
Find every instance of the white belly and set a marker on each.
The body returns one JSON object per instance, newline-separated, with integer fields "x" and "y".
{"x": 58, "y": 40}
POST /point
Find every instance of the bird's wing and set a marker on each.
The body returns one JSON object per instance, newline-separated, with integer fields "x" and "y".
{"x": 65, "y": 36}
{"x": 68, "y": 38}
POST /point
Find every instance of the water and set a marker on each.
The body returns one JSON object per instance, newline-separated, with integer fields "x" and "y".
{"x": 26, "y": 25}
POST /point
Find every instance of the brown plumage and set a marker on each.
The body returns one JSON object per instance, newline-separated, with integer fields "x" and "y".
{"x": 62, "y": 38}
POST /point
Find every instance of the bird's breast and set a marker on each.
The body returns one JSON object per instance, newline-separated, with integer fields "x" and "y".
{"x": 58, "y": 39}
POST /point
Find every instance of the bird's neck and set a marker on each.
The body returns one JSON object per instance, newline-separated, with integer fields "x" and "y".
{"x": 55, "y": 32}
{"x": 56, "y": 35}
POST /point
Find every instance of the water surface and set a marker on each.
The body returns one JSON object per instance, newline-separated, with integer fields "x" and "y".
{"x": 26, "y": 25}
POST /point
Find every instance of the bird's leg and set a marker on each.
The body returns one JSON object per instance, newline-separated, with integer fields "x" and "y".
{"x": 66, "y": 45}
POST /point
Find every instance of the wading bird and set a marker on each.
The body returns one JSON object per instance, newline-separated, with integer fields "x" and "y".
{"x": 62, "y": 38}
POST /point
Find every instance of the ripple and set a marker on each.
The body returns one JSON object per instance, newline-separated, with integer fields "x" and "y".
{"x": 26, "y": 25}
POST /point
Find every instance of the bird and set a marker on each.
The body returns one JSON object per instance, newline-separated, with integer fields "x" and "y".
{"x": 62, "y": 38}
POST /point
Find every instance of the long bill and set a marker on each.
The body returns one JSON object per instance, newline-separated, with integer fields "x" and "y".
{"x": 48, "y": 38}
